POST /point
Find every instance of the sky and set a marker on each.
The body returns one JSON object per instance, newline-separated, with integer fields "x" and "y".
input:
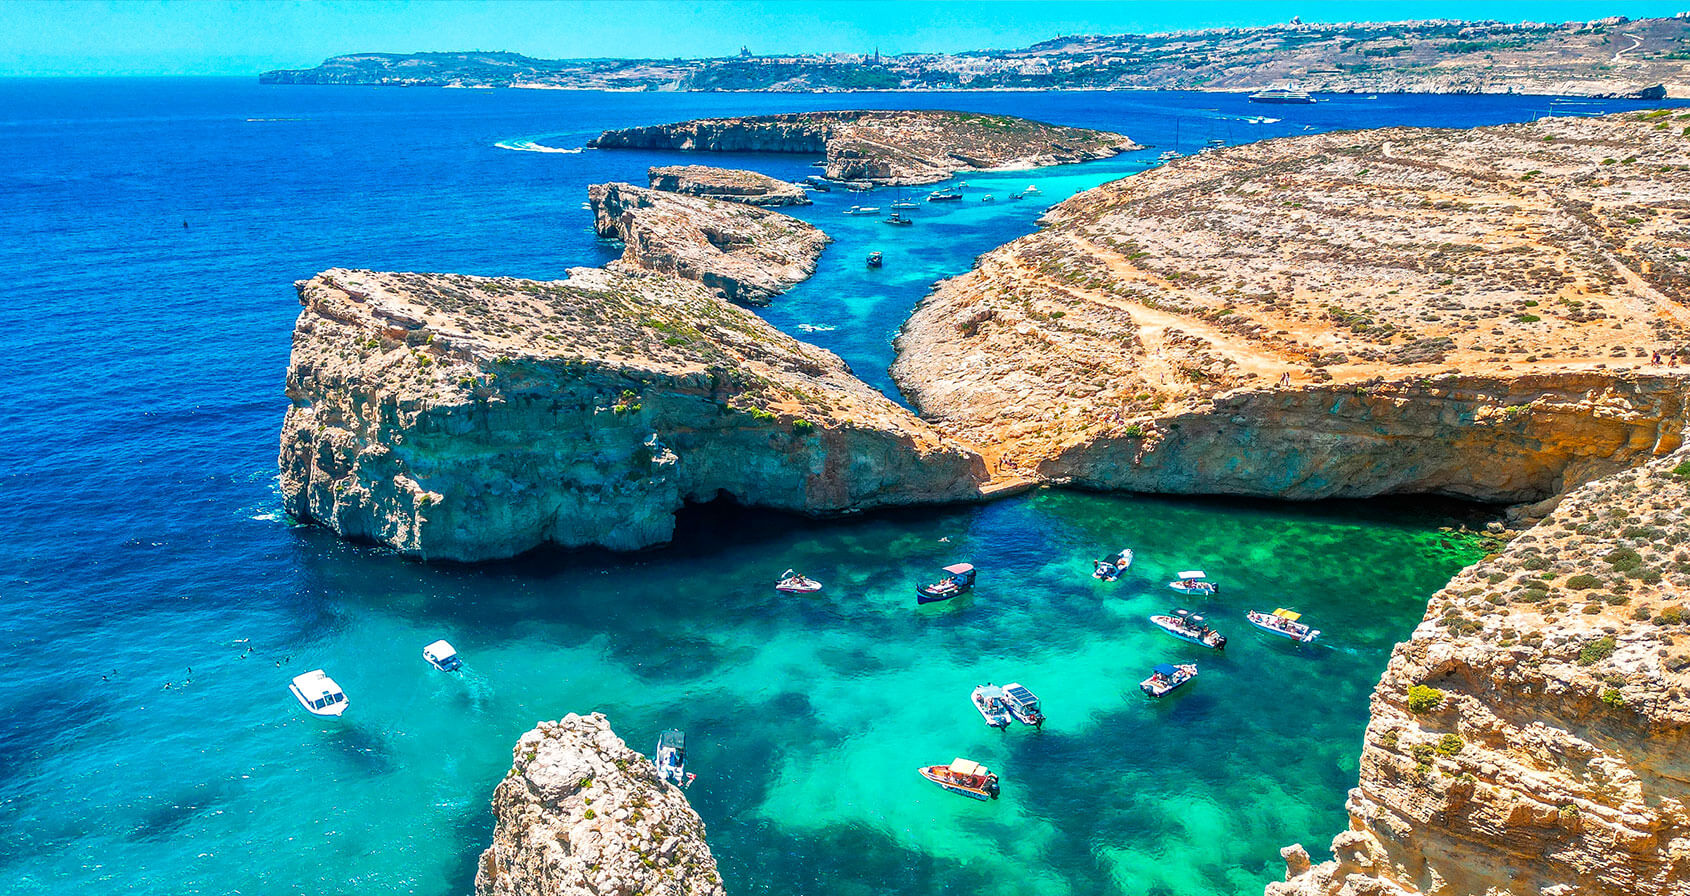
{"x": 244, "y": 37}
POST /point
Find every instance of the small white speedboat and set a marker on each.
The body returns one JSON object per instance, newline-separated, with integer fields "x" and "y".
{"x": 1166, "y": 677}
{"x": 1193, "y": 581}
{"x": 794, "y": 583}
{"x": 989, "y": 699}
{"x": 863, "y": 210}
{"x": 1188, "y": 626}
{"x": 1283, "y": 622}
{"x": 905, "y": 204}
{"x": 1109, "y": 569}
{"x": 443, "y": 656}
{"x": 1032, "y": 190}
{"x": 318, "y": 693}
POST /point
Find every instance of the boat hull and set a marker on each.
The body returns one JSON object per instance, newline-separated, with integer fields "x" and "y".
{"x": 1299, "y": 638}
{"x": 974, "y": 793}
{"x": 1220, "y": 643}
{"x": 1204, "y": 589}
{"x": 924, "y": 595}
{"x": 1284, "y": 100}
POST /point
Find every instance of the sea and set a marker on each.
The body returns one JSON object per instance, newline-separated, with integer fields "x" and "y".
{"x": 155, "y": 601}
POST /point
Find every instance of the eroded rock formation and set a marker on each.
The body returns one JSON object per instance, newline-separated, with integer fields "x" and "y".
{"x": 580, "y": 814}
{"x": 1406, "y": 310}
{"x": 1533, "y": 736}
{"x": 884, "y": 147}
{"x": 470, "y": 418}
{"x": 745, "y": 254}
{"x": 727, "y": 184}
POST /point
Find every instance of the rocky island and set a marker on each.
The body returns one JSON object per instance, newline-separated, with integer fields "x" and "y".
{"x": 727, "y": 184}
{"x": 746, "y": 254}
{"x": 471, "y": 418}
{"x": 1531, "y": 737}
{"x": 580, "y": 814}
{"x": 884, "y": 147}
{"x": 1472, "y": 313}
{"x": 1614, "y": 56}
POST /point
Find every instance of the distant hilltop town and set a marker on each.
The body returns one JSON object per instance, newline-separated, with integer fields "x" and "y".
{"x": 1647, "y": 58}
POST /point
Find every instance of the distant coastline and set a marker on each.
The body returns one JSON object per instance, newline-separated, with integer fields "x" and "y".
{"x": 1611, "y": 58}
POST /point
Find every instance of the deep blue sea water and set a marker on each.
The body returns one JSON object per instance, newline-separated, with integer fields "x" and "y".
{"x": 154, "y": 602}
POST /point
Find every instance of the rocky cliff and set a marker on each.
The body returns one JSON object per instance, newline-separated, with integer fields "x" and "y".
{"x": 580, "y": 814}
{"x": 885, "y": 147}
{"x": 745, "y": 254}
{"x": 1533, "y": 736}
{"x": 1470, "y": 312}
{"x": 469, "y": 418}
{"x": 727, "y": 184}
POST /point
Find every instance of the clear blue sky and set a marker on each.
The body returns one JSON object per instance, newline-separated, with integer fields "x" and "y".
{"x": 218, "y": 37}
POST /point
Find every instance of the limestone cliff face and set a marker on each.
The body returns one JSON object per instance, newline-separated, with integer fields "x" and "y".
{"x": 746, "y": 255}
{"x": 727, "y": 184}
{"x": 1552, "y": 753}
{"x": 580, "y": 814}
{"x": 1406, "y": 310}
{"x": 471, "y": 418}
{"x": 887, "y": 147}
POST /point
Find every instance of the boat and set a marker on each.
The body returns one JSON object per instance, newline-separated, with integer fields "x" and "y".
{"x": 797, "y": 583}
{"x": 1283, "y": 622}
{"x": 988, "y": 698}
{"x": 863, "y": 210}
{"x": 1192, "y": 581}
{"x": 906, "y": 204}
{"x": 963, "y": 776}
{"x": 818, "y": 183}
{"x": 1282, "y": 96}
{"x": 442, "y": 656}
{"x": 1032, "y": 190}
{"x": 671, "y": 758}
{"x": 959, "y": 579}
{"x": 987, "y": 198}
{"x": 1170, "y": 155}
{"x": 874, "y": 259}
{"x": 1110, "y": 568}
{"x": 1016, "y": 195}
{"x": 318, "y": 693}
{"x": 1166, "y": 677}
{"x": 1188, "y": 626}
{"x": 898, "y": 220}
{"x": 1023, "y": 705}
{"x": 951, "y": 195}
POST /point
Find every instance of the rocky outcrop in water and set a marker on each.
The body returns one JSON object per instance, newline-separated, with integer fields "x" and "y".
{"x": 1533, "y": 736}
{"x": 885, "y": 147}
{"x": 471, "y": 418}
{"x": 745, "y": 254}
{"x": 727, "y": 184}
{"x": 1470, "y": 312}
{"x": 580, "y": 814}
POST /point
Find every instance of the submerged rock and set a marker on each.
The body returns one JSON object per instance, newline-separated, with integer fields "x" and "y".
{"x": 1533, "y": 736}
{"x": 727, "y": 184}
{"x": 885, "y": 147}
{"x": 747, "y": 255}
{"x": 580, "y": 814}
{"x": 471, "y": 418}
{"x": 1472, "y": 313}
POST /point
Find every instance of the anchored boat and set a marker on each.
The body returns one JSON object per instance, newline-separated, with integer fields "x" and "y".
{"x": 1187, "y": 626}
{"x": 863, "y": 210}
{"x": 988, "y": 698}
{"x": 875, "y": 260}
{"x": 959, "y": 579}
{"x": 1283, "y": 622}
{"x": 1193, "y": 581}
{"x": 1166, "y": 677}
{"x": 443, "y": 656}
{"x": 963, "y": 776}
{"x": 797, "y": 583}
{"x": 897, "y": 220}
{"x": 1023, "y": 705}
{"x": 1282, "y": 96}
{"x": 950, "y": 195}
{"x": 1110, "y": 568}
{"x": 318, "y": 693}
{"x": 671, "y": 758}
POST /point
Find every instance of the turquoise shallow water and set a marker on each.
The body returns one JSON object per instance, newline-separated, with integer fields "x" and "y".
{"x": 154, "y": 602}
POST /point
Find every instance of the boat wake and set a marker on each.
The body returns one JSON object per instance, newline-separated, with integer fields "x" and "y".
{"x": 531, "y": 146}
{"x": 816, "y": 328}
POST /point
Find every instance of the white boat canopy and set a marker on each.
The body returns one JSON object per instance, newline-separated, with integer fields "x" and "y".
{"x": 967, "y": 767}
{"x": 1193, "y": 574}
{"x": 957, "y": 569}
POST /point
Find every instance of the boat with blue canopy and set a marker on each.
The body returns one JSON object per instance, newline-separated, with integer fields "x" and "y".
{"x": 1166, "y": 677}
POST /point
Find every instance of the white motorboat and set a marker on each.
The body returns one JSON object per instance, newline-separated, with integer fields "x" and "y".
{"x": 671, "y": 758}
{"x": 443, "y": 656}
{"x": 796, "y": 583}
{"x": 863, "y": 210}
{"x": 1032, "y": 190}
{"x": 989, "y": 699}
{"x": 1283, "y": 622}
{"x": 1023, "y": 705}
{"x": 1110, "y": 568}
{"x": 1166, "y": 677}
{"x": 1188, "y": 626}
{"x": 1193, "y": 581}
{"x": 318, "y": 693}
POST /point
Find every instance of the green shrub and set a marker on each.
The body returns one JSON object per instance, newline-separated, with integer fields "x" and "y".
{"x": 1423, "y": 699}
{"x": 1622, "y": 559}
{"x": 1613, "y": 697}
{"x": 1450, "y": 744}
{"x": 1682, "y": 469}
{"x": 1597, "y": 650}
{"x": 802, "y": 427}
{"x": 1528, "y": 318}
{"x": 1584, "y": 582}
